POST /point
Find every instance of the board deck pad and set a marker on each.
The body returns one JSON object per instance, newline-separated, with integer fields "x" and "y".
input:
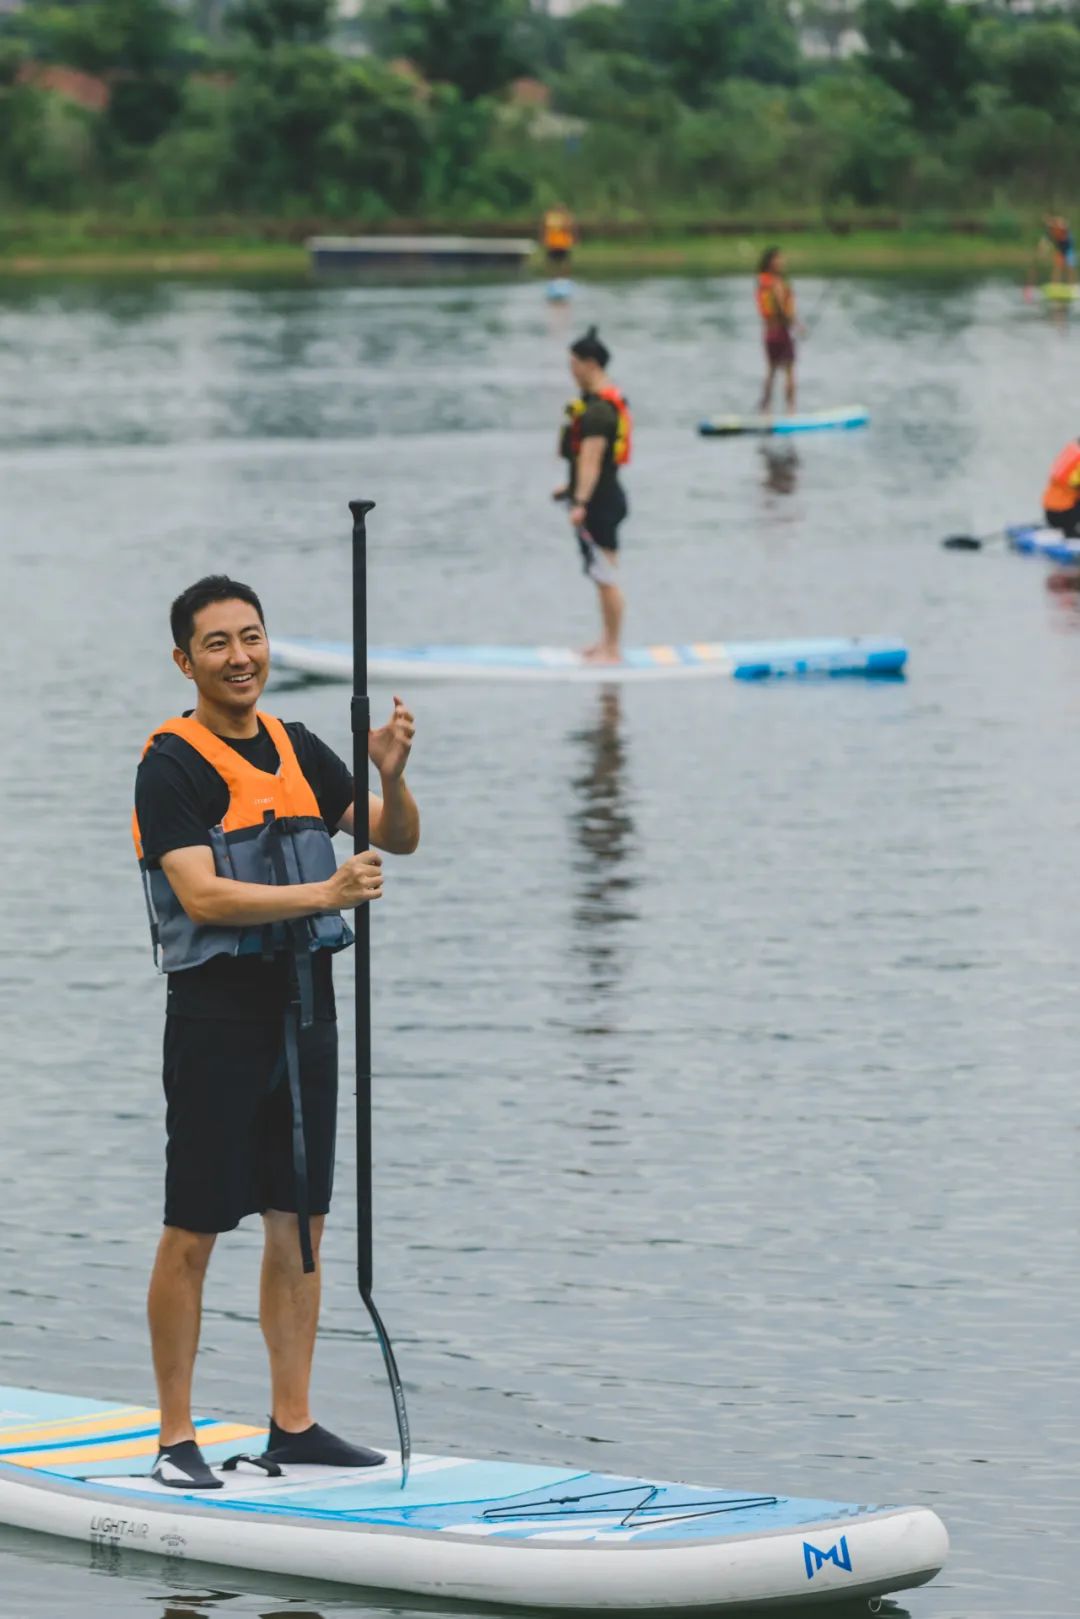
{"x": 739, "y": 660}
{"x": 799, "y": 422}
{"x": 1038, "y": 540}
{"x": 578, "y": 1539}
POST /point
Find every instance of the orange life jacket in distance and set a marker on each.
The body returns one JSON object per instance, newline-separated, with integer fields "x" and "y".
{"x": 558, "y": 230}
{"x": 1062, "y": 492}
{"x": 624, "y": 431}
{"x": 775, "y": 299}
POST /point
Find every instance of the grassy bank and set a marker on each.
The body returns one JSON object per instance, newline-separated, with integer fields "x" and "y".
{"x": 63, "y": 248}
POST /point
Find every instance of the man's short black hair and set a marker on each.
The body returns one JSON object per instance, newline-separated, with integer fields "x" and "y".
{"x": 216, "y": 587}
{"x": 590, "y": 347}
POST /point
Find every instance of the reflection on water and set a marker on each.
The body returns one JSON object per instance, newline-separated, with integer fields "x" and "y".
{"x": 780, "y": 464}
{"x": 604, "y": 832}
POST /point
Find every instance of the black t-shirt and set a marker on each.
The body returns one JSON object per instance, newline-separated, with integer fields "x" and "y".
{"x": 178, "y": 798}
{"x": 599, "y": 419}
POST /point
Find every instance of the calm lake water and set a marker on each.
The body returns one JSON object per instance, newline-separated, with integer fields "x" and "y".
{"x": 725, "y": 1037}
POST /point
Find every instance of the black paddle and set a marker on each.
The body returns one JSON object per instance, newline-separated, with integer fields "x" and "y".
{"x": 361, "y": 725}
{"x": 970, "y": 542}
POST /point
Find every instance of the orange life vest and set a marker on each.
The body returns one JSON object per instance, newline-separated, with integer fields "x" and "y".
{"x": 624, "y": 431}
{"x": 558, "y": 230}
{"x": 775, "y": 299}
{"x": 1062, "y": 492}
{"x": 272, "y": 832}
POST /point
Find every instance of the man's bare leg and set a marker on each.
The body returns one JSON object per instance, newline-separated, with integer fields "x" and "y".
{"x": 612, "y": 611}
{"x": 765, "y": 402}
{"x": 289, "y": 1315}
{"x": 174, "y": 1308}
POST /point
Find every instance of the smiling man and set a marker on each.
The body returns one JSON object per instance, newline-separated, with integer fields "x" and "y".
{"x": 234, "y": 813}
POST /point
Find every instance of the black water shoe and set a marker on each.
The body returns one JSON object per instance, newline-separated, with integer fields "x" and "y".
{"x": 182, "y": 1467}
{"x": 317, "y": 1447}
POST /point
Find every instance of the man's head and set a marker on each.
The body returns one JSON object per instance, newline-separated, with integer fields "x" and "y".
{"x": 771, "y": 262}
{"x": 220, "y": 641}
{"x": 588, "y": 359}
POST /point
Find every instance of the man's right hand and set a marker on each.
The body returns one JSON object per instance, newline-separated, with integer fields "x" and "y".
{"x": 356, "y": 881}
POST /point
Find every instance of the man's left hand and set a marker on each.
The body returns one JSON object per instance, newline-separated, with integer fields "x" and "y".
{"x": 577, "y": 515}
{"x": 389, "y": 747}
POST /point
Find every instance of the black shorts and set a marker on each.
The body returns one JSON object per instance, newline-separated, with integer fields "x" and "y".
{"x": 602, "y": 519}
{"x": 558, "y": 255}
{"x": 1067, "y": 523}
{"x": 229, "y": 1120}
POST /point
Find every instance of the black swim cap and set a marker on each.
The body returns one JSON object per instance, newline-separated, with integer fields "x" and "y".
{"x": 590, "y": 347}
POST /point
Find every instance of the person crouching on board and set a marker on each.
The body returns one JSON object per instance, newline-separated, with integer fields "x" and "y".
{"x": 234, "y": 814}
{"x": 595, "y": 442}
{"x": 1061, "y": 497}
{"x": 776, "y": 306}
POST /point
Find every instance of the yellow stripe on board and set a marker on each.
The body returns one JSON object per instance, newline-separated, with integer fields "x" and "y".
{"x": 664, "y": 654}
{"x": 708, "y": 651}
{"x": 219, "y": 1433}
{"x": 121, "y": 1418}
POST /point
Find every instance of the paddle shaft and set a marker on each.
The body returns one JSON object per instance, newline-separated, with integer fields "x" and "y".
{"x": 361, "y": 725}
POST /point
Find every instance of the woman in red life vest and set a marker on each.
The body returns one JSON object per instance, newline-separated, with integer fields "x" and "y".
{"x": 1061, "y": 497}
{"x": 776, "y": 306}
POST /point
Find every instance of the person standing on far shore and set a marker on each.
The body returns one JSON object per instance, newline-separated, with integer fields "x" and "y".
{"x": 559, "y": 236}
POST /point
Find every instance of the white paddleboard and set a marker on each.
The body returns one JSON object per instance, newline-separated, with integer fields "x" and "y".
{"x": 738, "y": 660}
{"x": 510, "y": 1533}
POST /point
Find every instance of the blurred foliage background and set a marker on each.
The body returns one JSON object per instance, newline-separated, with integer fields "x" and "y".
{"x": 459, "y": 112}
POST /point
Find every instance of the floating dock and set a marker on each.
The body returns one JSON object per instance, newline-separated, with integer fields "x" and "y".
{"x": 346, "y": 254}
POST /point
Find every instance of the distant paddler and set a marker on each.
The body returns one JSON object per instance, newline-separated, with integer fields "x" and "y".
{"x": 595, "y": 442}
{"x": 558, "y": 234}
{"x": 1057, "y": 239}
{"x": 1061, "y": 497}
{"x": 776, "y": 306}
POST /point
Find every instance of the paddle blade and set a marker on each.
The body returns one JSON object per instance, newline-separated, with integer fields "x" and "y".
{"x": 396, "y": 1388}
{"x": 962, "y": 542}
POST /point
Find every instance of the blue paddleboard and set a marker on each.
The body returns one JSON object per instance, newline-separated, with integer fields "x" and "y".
{"x": 1037, "y": 540}
{"x": 766, "y": 422}
{"x": 512, "y": 1533}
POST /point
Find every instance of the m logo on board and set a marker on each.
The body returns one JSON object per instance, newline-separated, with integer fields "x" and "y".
{"x": 816, "y": 1560}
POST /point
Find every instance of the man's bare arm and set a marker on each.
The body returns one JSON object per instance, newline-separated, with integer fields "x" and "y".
{"x": 222, "y": 902}
{"x": 393, "y": 819}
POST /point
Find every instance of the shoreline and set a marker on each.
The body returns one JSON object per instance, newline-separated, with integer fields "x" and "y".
{"x": 809, "y": 253}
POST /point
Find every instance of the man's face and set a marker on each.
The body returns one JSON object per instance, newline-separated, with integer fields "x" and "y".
{"x": 582, "y": 371}
{"x": 229, "y": 659}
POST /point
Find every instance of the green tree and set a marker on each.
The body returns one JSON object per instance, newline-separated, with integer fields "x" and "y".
{"x": 928, "y": 52}
{"x": 283, "y": 22}
{"x": 859, "y": 141}
{"x": 1038, "y": 65}
{"x": 702, "y": 42}
{"x": 476, "y": 45}
{"x": 140, "y": 46}
{"x": 107, "y": 36}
